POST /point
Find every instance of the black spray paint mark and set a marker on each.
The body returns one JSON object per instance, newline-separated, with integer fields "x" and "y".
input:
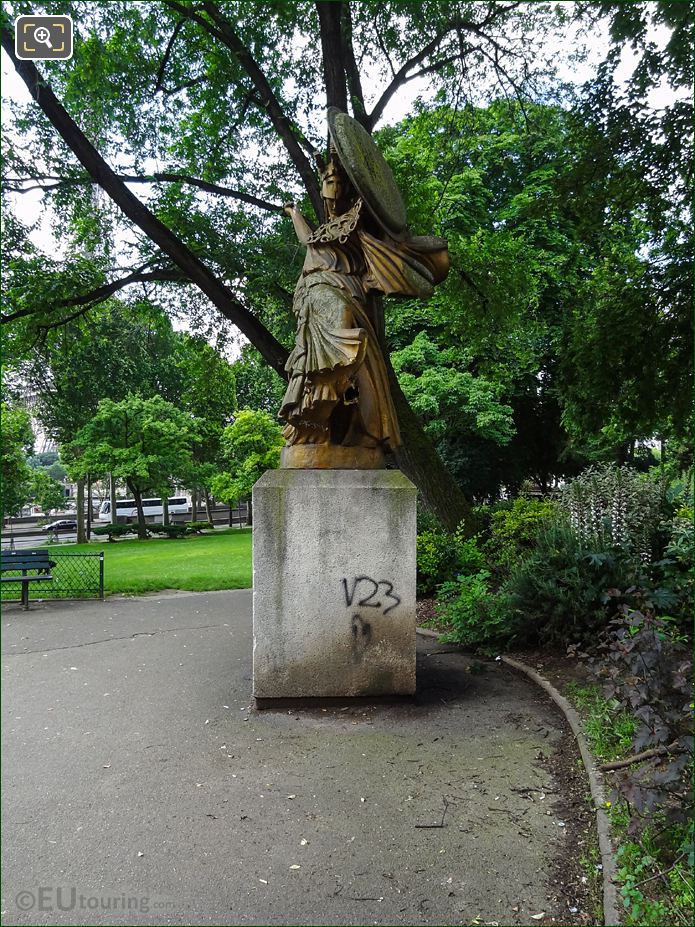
{"x": 371, "y": 599}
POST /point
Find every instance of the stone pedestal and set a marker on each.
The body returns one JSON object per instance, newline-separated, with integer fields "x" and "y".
{"x": 333, "y": 584}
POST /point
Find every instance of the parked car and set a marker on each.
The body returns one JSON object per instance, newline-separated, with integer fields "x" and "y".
{"x": 64, "y": 524}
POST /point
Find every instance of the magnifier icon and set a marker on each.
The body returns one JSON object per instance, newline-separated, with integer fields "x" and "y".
{"x": 43, "y": 35}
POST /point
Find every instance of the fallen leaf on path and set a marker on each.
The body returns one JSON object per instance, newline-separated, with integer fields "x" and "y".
{"x": 537, "y": 917}
{"x": 295, "y": 866}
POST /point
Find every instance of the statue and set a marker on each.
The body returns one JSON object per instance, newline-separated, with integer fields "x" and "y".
{"x": 338, "y": 406}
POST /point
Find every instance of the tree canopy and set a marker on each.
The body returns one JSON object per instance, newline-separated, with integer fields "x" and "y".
{"x": 145, "y": 442}
{"x": 250, "y": 445}
{"x": 17, "y": 444}
{"x": 565, "y": 208}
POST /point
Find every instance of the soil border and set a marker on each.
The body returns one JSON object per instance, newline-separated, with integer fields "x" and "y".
{"x": 611, "y": 908}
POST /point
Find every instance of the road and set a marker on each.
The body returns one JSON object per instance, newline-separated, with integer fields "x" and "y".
{"x": 32, "y": 536}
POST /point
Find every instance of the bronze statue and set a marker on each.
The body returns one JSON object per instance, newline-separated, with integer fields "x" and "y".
{"x": 338, "y": 405}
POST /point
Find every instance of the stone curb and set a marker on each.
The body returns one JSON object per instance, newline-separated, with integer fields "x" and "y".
{"x": 611, "y": 907}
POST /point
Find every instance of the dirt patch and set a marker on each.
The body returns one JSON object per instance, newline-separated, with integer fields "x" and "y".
{"x": 576, "y": 874}
{"x": 555, "y": 666}
{"x": 425, "y": 612}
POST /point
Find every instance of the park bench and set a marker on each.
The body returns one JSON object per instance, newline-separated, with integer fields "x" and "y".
{"x": 36, "y": 561}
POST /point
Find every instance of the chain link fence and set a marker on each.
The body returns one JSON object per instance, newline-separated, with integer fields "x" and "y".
{"x": 75, "y": 576}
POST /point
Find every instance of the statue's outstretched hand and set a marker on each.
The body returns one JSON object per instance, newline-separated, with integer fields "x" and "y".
{"x": 288, "y": 208}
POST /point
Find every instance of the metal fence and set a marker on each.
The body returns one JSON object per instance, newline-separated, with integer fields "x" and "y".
{"x": 75, "y": 576}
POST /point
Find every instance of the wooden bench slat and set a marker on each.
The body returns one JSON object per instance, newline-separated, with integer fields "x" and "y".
{"x": 24, "y": 564}
{"x": 10, "y": 564}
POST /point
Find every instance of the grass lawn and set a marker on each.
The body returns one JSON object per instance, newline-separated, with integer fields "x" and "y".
{"x": 199, "y": 563}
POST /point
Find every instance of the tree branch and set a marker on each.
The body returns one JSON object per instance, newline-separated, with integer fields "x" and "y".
{"x": 453, "y": 25}
{"x": 382, "y": 46}
{"x": 401, "y": 75}
{"x": 100, "y": 293}
{"x": 191, "y": 266}
{"x": 201, "y": 79}
{"x": 159, "y": 84}
{"x": 639, "y": 757}
{"x": 158, "y": 176}
{"x": 222, "y": 30}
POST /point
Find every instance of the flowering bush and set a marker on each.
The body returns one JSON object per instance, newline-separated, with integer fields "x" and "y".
{"x": 614, "y": 507}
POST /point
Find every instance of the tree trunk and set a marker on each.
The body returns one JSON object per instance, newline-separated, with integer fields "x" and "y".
{"x": 249, "y": 512}
{"x": 142, "y": 525}
{"x": 194, "y": 505}
{"x": 208, "y": 506}
{"x": 112, "y": 497}
{"x": 80, "y": 512}
{"x": 330, "y": 14}
{"x": 231, "y": 514}
{"x": 88, "y": 531}
{"x": 165, "y": 509}
{"x": 417, "y": 457}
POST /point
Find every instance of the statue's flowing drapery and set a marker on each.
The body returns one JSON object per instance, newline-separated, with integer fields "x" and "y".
{"x": 337, "y": 357}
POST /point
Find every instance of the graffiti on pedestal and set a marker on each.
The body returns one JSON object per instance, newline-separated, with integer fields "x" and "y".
{"x": 365, "y": 592}
{"x": 372, "y": 599}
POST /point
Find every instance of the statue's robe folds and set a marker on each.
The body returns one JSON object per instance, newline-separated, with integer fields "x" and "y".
{"x": 337, "y": 357}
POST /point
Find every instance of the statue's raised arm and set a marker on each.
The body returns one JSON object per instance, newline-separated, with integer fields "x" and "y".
{"x": 338, "y": 406}
{"x": 301, "y": 226}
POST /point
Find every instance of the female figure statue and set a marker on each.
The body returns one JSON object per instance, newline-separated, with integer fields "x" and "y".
{"x": 338, "y": 405}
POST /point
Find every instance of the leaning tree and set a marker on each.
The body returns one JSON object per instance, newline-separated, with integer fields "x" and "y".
{"x": 215, "y": 113}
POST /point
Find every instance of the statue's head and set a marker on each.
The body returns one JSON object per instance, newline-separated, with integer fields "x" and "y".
{"x": 336, "y": 189}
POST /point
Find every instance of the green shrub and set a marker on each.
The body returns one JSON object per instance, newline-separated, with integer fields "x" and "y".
{"x": 558, "y": 592}
{"x": 426, "y": 521}
{"x": 475, "y": 614}
{"x": 170, "y": 531}
{"x": 441, "y": 556}
{"x": 197, "y": 527}
{"x": 673, "y": 574}
{"x": 436, "y": 560}
{"x": 513, "y": 531}
{"x": 112, "y": 531}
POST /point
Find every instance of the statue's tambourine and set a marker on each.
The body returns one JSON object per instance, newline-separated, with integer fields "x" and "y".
{"x": 369, "y": 173}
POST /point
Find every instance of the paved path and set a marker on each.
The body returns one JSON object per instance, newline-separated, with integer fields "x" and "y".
{"x": 137, "y": 774}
